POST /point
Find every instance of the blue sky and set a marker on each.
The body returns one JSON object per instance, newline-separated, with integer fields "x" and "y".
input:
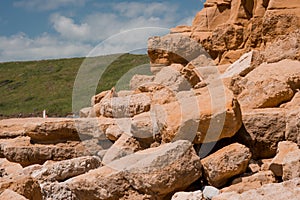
{"x": 42, "y": 29}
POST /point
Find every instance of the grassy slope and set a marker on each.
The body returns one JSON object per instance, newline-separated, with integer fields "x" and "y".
{"x": 30, "y": 87}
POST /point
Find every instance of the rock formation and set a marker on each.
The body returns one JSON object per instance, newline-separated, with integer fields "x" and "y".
{"x": 218, "y": 119}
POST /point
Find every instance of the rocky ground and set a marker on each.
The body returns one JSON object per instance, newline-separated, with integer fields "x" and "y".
{"x": 219, "y": 119}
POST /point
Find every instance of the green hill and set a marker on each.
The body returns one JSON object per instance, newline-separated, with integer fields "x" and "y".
{"x": 27, "y": 88}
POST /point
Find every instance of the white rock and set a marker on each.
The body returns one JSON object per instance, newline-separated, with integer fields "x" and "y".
{"x": 197, "y": 195}
{"x": 209, "y": 192}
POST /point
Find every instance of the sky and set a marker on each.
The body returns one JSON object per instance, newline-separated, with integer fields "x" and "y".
{"x": 46, "y": 29}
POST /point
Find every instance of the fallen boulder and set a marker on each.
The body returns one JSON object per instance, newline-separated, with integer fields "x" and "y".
{"x": 226, "y": 163}
{"x": 155, "y": 173}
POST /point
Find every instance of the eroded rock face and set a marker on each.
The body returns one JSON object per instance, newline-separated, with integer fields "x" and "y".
{"x": 227, "y": 29}
{"x": 222, "y": 165}
{"x": 143, "y": 172}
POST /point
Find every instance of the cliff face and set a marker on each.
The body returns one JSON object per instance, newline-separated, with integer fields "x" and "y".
{"x": 229, "y": 28}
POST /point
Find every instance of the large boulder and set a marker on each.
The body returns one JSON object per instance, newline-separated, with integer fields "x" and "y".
{"x": 129, "y": 106}
{"x": 263, "y": 130}
{"x": 270, "y": 85}
{"x": 62, "y": 170}
{"x": 172, "y": 48}
{"x": 208, "y": 116}
{"x": 52, "y": 131}
{"x": 152, "y": 173}
{"x": 226, "y": 163}
{"x": 20, "y": 150}
{"x": 61, "y": 130}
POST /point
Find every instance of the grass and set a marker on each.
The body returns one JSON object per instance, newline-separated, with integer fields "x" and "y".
{"x": 27, "y": 88}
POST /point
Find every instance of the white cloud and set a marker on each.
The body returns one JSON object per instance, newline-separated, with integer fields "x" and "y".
{"x": 21, "y": 47}
{"x": 42, "y": 5}
{"x": 98, "y": 26}
{"x": 136, "y": 9}
{"x": 68, "y": 29}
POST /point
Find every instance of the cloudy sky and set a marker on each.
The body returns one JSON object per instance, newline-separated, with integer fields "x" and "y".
{"x": 40, "y": 29}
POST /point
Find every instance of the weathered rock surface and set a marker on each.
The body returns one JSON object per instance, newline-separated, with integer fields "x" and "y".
{"x": 222, "y": 165}
{"x": 23, "y": 185}
{"x": 159, "y": 93}
{"x": 129, "y": 106}
{"x": 240, "y": 67}
{"x": 124, "y": 146}
{"x": 173, "y": 48}
{"x": 283, "y": 149}
{"x": 270, "y": 85}
{"x": 208, "y": 117}
{"x": 197, "y": 195}
{"x": 85, "y": 112}
{"x": 209, "y": 192}
{"x": 11, "y": 195}
{"x": 154, "y": 172}
{"x": 275, "y": 191}
{"x": 285, "y": 47}
{"x": 57, "y": 191}
{"x": 172, "y": 79}
{"x": 103, "y": 95}
{"x": 52, "y": 131}
{"x": 294, "y": 103}
{"x": 291, "y": 165}
{"x": 10, "y": 128}
{"x": 62, "y": 170}
{"x": 8, "y": 168}
{"x": 292, "y": 132}
{"x": 263, "y": 129}
{"x": 254, "y": 181}
{"x": 138, "y": 80}
{"x": 20, "y": 150}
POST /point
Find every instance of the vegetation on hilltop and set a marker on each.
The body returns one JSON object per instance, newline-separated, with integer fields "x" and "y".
{"x": 29, "y": 87}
